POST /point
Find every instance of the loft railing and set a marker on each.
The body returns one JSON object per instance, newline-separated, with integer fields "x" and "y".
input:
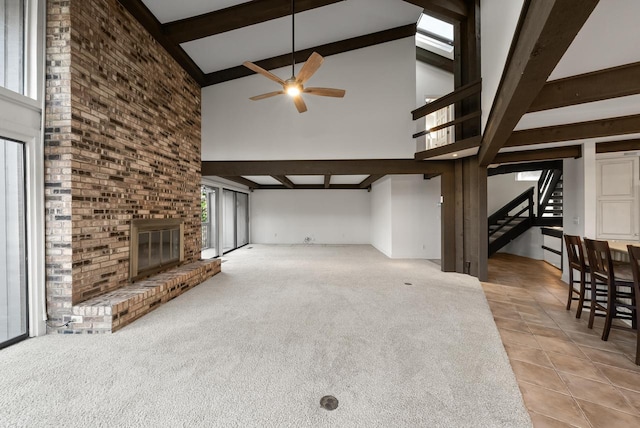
{"x": 466, "y": 92}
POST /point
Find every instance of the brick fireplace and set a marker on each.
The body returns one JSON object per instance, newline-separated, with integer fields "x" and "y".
{"x": 122, "y": 144}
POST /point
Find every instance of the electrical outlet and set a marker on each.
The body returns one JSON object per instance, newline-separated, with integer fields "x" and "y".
{"x": 76, "y": 319}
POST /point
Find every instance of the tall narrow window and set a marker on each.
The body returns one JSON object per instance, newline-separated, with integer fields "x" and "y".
{"x": 208, "y": 204}
{"x": 12, "y": 45}
{"x": 242, "y": 219}
{"x": 13, "y": 281}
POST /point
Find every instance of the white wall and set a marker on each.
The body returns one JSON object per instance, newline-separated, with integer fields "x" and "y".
{"x": 502, "y": 188}
{"x": 381, "y": 208}
{"x": 324, "y": 216}
{"x": 372, "y": 121}
{"x": 499, "y": 19}
{"x": 572, "y": 203}
{"x": 431, "y": 82}
{"x": 416, "y": 220}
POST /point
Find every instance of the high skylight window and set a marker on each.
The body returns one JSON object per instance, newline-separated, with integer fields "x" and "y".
{"x": 435, "y": 35}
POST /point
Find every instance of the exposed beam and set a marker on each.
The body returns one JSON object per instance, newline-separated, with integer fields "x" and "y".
{"x": 451, "y": 11}
{"x": 323, "y": 167}
{"x": 327, "y": 181}
{"x": 618, "y": 146}
{"x": 367, "y": 182}
{"x": 589, "y": 87}
{"x": 576, "y": 131}
{"x": 446, "y": 100}
{"x": 144, "y": 16}
{"x": 234, "y": 17}
{"x": 241, "y": 180}
{"x": 324, "y": 50}
{"x": 465, "y": 144}
{"x": 529, "y": 166}
{"x": 284, "y": 180}
{"x": 546, "y": 29}
{"x": 435, "y": 60}
{"x": 311, "y": 187}
{"x": 540, "y": 154}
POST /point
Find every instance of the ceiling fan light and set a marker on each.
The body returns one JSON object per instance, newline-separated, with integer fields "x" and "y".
{"x": 293, "y": 90}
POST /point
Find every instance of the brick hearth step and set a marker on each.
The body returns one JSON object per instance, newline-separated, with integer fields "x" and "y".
{"x": 113, "y": 310}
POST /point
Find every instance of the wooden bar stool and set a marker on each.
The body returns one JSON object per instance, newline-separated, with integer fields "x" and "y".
{"x": 634, "y": 258}
{"x": 578, "y": 262}
{"x": 619, "y": 287}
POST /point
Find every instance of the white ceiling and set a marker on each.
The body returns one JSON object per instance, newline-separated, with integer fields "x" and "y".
{"x": 328, "y": 24}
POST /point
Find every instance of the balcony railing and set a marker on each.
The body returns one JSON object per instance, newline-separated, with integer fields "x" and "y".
{"x": 467, "y": 92}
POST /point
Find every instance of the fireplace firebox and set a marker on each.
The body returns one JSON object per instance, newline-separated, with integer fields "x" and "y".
{"x": 156, "y": 245}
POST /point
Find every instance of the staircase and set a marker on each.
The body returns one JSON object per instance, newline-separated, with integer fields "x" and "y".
{"x": 550, "y": 198}
{"x": 517, "y": 216}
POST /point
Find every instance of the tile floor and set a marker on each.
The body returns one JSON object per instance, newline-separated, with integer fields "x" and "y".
{"x": 567, "y": 375}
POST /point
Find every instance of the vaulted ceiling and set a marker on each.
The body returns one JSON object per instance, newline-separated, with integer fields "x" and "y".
{"x": 588, "y": 93}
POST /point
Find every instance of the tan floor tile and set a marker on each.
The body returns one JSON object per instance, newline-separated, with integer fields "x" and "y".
{"x": 622, "y": 378}
{"x": 632, "y": 397}
{"x": 506, "y": 313}
{"x": 537, "y": 375}
{"x": 552, "y": 344}
{"x": 516, "y": 337}
{"x": 591, "y": 340}
{"x": 542, "y": 421}
{"x": 610, "y": 358}
{"x": 552, "y": 404}
{"x": 541, "y": 330}
{"x": 528, "y": 355}
{"x": 511, "y": 324}
{"x": 538, "y": 319}
{"x": 577, "y": 366}
{"x": 496, "y": 297}
{"x": 600, "y": 393}
{"x": 604, "y": 417}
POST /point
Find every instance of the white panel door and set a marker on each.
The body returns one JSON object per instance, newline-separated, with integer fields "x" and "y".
{"x": 618, "y": 215}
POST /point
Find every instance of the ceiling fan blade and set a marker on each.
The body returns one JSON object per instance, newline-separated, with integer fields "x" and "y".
{"x": 267, "y": 95}
{"x": 326, "y": 92}
{"x": 311, "y": 66}
{"x": 300, "y": 105}
{"x": 262, "y": 71}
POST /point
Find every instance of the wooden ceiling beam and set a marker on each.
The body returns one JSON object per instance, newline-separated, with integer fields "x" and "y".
{"x": 546, "y": 29}
{"x": 144, "y": 16}
{"x": 323, "y": 167}
{"x": 576, "y": 131}
{"x": 467, "y": 143}
{"x": 311, "y": 187}
{"x": 241, "y": 180}
{"x": 520, "y": 167}
{"x": 574, "y": 151}
{"x": 618, "y": 146}
{"x": 285, "y": 181}
{"x": 235, "y": 17}
{"x": 451, "y": 11}
{"x": 434, "y": 60}
{"x": 301, "y": 56}
{"x": 589, "y": 87}
{"x": 367, "y": 182}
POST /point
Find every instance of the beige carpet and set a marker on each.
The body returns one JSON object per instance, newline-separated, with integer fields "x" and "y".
{"x": 399, "y": 343}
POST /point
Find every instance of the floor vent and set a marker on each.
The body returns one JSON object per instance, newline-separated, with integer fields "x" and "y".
{"x": 329, "y": 402}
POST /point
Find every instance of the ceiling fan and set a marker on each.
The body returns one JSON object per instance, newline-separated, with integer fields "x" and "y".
{"x": 294, "y": 86}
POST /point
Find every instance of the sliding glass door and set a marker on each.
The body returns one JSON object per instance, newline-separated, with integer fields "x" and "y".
{"x": 209, "y": 222}
{"x": 13, "y": 281}
{"x": 235, "y": 214}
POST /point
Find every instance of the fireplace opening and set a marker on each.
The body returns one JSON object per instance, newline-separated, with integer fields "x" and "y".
{"x": 156, "y": 245}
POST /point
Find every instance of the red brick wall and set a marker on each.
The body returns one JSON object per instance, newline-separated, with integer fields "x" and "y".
{"x": 122, "y": 142}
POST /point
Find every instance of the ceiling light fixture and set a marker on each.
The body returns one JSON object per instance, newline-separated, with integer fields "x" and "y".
{"x": 294, "y": 86}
